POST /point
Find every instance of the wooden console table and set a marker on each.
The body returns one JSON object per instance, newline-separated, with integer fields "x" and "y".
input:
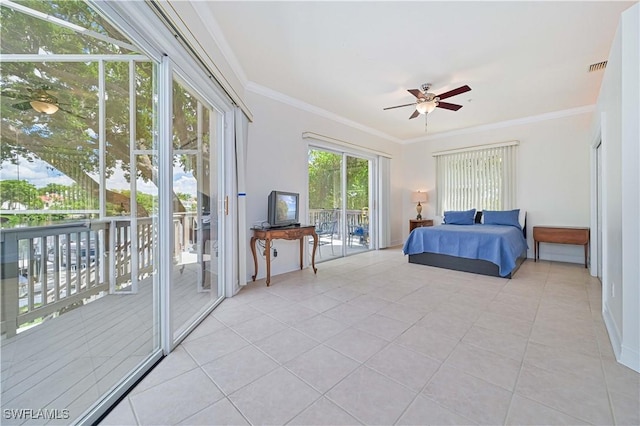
{"x": 560, "y": 235}
{"x": 286, "y": 233}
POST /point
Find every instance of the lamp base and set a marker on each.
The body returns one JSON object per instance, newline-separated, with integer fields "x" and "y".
{"x": 419, "y": 210}
{"x": 419, "y": 217}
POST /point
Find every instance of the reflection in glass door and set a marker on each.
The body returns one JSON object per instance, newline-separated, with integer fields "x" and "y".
{"x": 196, "y": 283}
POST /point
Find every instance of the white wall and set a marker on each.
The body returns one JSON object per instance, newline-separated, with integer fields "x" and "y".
{"x": 630, "y": 350}
{"x": 553, "y": 174}
{"x": 277, "y": 157}
{"x": 616, "y": 121}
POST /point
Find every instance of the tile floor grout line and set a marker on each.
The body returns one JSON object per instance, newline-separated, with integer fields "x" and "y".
{"x": 528, "y": 397}
{"x": 524, "y": 355}
{"x": 548, "y": 274}
{"x": 442, "y": 363}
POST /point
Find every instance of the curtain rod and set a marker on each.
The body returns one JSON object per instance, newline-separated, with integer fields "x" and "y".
{"x": 312, "y": 135}
{"x": 475, "y": 148}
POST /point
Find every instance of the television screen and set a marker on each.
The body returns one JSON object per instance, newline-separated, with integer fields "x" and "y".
{"x": 283, "y": 208}
{"x": 286, "y": 207}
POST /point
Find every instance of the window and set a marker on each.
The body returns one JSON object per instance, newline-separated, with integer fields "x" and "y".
{"x": 483, "y": 178}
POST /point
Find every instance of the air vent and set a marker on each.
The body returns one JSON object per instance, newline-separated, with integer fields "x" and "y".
{"x": 597, "y": 67}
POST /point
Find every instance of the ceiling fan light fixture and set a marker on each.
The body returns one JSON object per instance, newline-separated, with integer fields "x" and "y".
{"x": 426, "y": 107}
{"x": 44, "y": 102}
{"x": 44, "y": 107}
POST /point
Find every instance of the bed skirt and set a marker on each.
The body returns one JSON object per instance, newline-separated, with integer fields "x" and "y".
{"x": 476, "y": 266}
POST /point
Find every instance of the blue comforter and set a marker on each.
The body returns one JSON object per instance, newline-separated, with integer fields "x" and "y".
{"x": 499, "y": 244}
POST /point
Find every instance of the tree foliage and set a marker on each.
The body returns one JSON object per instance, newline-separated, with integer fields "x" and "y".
{"x": 19, "y": 195}
{"x": 325, "y": 181}
{"x": 68, "y": 139}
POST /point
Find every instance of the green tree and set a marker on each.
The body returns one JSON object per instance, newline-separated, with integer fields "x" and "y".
{"x": 324, "y": 180}
{"x": 53, "y": 188}
{"x": 68, "y": 139}
{"x": 325, "y": 185}
{"x": 15, "y": 194}
{"x": 146, "y": 202}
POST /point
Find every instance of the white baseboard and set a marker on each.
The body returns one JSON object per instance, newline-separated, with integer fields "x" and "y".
{"x": 614, "y": 334}
{"x": 395, "y": 243}
{"x": 625, "y": 355}
{"x": 630, "y": 358}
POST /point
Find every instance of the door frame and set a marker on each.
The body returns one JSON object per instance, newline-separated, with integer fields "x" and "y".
{"x": 373, "y": 189}
{"x": 173, "y": 73}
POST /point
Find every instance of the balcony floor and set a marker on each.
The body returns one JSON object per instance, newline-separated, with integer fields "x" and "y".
{"x": 68, "y": 362}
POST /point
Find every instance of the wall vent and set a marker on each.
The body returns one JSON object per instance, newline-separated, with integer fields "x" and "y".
{"x": 598, "y": 66}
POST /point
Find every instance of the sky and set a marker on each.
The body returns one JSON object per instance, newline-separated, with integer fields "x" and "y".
{"x": 40, "y": 173}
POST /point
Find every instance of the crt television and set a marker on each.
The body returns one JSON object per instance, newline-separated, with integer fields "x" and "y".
{"x": 284, "y": 208}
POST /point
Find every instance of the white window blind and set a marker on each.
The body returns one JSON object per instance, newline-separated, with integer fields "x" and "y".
{"x": 483, "y": 178}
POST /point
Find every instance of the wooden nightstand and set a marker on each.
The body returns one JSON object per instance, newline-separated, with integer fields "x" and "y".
{"x": 417, "y": 223}
{"x": 560, "y": 235}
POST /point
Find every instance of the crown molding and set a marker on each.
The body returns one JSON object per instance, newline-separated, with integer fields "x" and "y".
{"x": 213, "y": 28}
{"x": 296, "y": 103}
{"x": 508, "y": 123}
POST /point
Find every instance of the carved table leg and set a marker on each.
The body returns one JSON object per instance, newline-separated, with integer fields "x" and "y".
{"x": 255, "y": 258}
{"x": 301, "y": 250}
{"x": 313, "y": 254}
{"x": 268, "y": 259}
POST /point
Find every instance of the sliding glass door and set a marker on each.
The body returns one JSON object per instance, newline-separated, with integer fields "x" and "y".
{"x": 111, "y": 182}
{"x": 79, "y": 209}
{"x": 196, "y": 283}
{"x": 358, "y": 184}
{"x": 340, "y": 188}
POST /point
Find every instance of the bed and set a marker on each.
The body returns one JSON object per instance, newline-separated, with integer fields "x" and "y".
{"x": 483, "y": 248}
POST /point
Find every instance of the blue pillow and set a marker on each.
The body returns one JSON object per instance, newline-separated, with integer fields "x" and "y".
{"x": 466, "y": 217}
{"x": 505, "y": 217}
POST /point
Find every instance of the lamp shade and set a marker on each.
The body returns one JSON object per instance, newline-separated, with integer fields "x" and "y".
{"x": 419, "y": 197}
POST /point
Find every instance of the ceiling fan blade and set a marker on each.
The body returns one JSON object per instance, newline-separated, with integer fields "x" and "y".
{"x": 398, "y": 106}
{"x": 417, "y": 93}
{"x": 454, "y": 92}
{"x": 447, "y": 105}
{"x": 72, "y": 113}
{"x": 414, "y": 115}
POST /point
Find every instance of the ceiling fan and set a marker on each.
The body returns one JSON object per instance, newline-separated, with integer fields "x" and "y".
{"x": 39, "y": 100}
{"x": 426, "y": 102}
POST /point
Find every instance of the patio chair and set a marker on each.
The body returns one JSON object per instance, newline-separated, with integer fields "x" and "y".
{"x": 359, "y": 232}
{"x": 326, "y": 231}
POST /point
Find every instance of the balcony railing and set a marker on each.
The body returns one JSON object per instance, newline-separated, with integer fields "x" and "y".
{"x": 47, "y": 270}
{"x": 353, "y": 217}
{"x": 357, "y": 228}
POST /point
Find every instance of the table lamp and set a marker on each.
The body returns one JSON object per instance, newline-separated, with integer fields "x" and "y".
{"x": 418, "y": 197}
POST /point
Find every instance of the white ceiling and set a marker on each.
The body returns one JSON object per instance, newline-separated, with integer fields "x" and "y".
{"x": 521, "y": 59}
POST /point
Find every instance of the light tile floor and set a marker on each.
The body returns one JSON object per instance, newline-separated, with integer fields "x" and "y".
{"x": 372, "y": 339}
